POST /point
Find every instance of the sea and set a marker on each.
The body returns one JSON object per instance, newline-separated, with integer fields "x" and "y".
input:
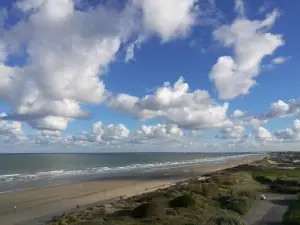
{"x": 27, "y": 171}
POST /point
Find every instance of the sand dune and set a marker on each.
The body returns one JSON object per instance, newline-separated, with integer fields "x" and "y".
{"x": 38, "y": 205}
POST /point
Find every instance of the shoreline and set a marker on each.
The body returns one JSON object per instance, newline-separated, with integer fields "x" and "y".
{"x": 40, "y": 204}
{"x": 126, "y": 174}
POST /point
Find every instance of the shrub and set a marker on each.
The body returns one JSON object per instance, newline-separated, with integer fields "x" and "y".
{"x": 288, "y": 182}
{"x": 220, "y": 179}
{"x": 195, "y": 188}
{"x": 122, "y": 213}
{"x": 239, "y": 204}
{"x": 62, "y": 222}
{"x": 248, "y": 193}
{"x": 263, "y": 179}
{"x": 71, "y": 219}
{"x": 228, "y": 220}
{"x": 185, "y": 200}
{"x": 147, "y": 209}
{"x": 210, "y": 190}
{"x": 285, "y": 189}
{"x": 171, "y": 212}
{"x": 292, "y": 215}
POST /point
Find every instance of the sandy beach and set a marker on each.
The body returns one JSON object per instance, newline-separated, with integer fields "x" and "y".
{"x": 38, "y": 205}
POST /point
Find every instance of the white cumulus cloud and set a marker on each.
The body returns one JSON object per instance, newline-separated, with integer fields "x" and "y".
{"x": 66, "y": 49}
{"x": 238, "y": 113}
{"x": 159, "y": 17}
{"x": 11, "y": 132}
{"x": 235, "y": 132}
{"x": 283, "y": 109}
{"x": 109, "y": 132}
{"x": 262, "y": 134}
{"x": 289, "y": 134}
{"x": 278, "y": 60}
{"x": 251, "y": 41}
{"x": 177, "y": 105}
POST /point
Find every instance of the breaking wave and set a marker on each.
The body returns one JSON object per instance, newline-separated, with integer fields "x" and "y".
{"x": 59, "y": 174}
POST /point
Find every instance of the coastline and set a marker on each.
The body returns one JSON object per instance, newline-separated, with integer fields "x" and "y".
{"x": 15, "y": 177}
{"x": 40, "y": 204}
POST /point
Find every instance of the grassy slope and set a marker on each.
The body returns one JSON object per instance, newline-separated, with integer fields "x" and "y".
{"x": 223, "y": 197}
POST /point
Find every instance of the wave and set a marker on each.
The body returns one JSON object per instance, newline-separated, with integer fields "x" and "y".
{"x": 58, "y": 174}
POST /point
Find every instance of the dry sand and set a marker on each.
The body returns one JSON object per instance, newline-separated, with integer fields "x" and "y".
{"x": 35, "y": 206}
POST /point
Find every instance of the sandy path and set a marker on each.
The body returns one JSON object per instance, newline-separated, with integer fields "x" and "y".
{"x": 35, "y": 205}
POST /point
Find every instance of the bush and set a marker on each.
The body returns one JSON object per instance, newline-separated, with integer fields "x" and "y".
{"x": 284, "y": 189}
{"x": 239, "y": 204}
{"x": 62, "y": 222}
{"x": 210, "y": 190}
{"x": 288, "y": 182}
{"x": 263, "y": 179}
{"x": 195, "y": 188}
{"x": 185, "y": 200}
{"x": 220, "y": 179}
{"x": 292, "y": 215}
{"x": 172, "y": 212}
{"x": 248, "y": 193}
{"x": 121, "y": 213}
{"x": 228, "y": 220}
{"x": 147, "y": 210}
{"x": 71, "y": 219}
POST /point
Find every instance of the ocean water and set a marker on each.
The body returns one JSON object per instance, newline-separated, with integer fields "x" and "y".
{"x": 26, "y": 171}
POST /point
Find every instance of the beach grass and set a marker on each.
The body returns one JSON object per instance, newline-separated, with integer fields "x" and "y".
{"x": 279, "y": 180}
{"x": 220, "y": 199}
{"x": 292, "y": 215}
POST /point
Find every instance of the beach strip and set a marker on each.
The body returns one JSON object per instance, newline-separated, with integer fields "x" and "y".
{"x": 38, "y": 205}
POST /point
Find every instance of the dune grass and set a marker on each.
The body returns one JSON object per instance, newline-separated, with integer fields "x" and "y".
{"x": 219, "y": 200}
{"x": 292, "y": 215}
{"x": 279, "y": 180}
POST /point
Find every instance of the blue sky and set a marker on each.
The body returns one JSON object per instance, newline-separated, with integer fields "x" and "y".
{"x": 64, "y": 67}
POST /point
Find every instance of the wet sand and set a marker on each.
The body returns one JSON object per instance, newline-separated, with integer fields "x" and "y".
{"x": 38, "y": 205}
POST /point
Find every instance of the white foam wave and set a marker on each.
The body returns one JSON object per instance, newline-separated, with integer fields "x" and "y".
{"x": 57, "y": 174}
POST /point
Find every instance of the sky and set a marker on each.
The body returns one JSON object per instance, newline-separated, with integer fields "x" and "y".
{"x": 149, "y": 75}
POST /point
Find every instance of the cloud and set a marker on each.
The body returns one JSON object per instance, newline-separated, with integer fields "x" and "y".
{"x": 158, "y": 17}
{"x": 278, "y": 60}
{"x": 176, "y": 104}
{"x": 110, "y": 132}
{"x": 130, "y": 49}
{"x": 119, "y": 135}
{"x": 256, "y": 122}
{"x": 235, "y": 132}
{"x": 289, "y": 134}
{"x": 65, "y": 56}
{"x": 262, "y": 134}
{"x": 66, "y": 48}
{"x": 282, "y": 109}
{"x": 238, "y": 113}
{"x": 160, "y": 130}
{"x": 240, "y": 7}
{"x": 251, "y": 41}
{"x": 11, "y": 132}
{"x": 49, "y": 123}
{"x": 48, "y": 137}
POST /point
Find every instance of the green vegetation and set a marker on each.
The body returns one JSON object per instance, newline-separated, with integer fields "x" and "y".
{"x": 239, "y": 204}
{"x": 219, "y": 200}
{"x": 292, "y": 215}
{"x": 185, "y": 200}
{"x": 274, "y": 173}
{"x": 279, "y": 180}
{"x": 228, "y": 220}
